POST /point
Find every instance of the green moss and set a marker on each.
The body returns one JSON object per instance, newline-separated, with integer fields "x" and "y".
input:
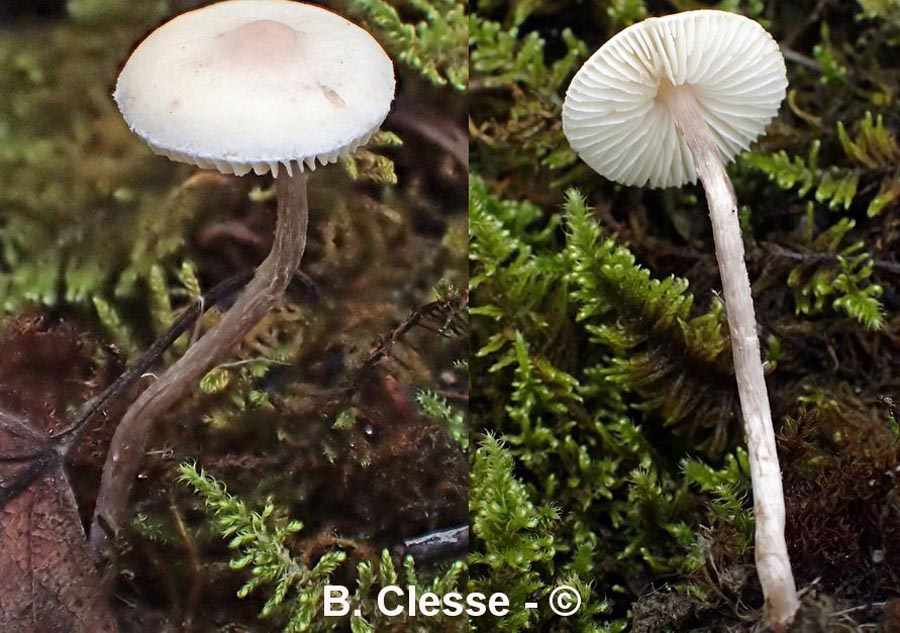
{"x": 435, "y": 46}
{"x": 295, "y": 589}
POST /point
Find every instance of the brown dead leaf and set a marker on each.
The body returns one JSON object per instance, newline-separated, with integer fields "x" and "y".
{"x": 48, "y": 582}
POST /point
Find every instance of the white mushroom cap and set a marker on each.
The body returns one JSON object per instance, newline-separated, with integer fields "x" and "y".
{"x": 254, "y": 84}
{"x": 617, "y": 125}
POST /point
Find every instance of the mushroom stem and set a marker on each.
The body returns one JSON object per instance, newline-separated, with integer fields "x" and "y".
{"x": 772, "y": 563}
{"x": 264, "y": 291}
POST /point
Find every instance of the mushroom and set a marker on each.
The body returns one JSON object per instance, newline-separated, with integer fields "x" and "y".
{"x": 661, "y": 103}
{"x": 263, "y": 85}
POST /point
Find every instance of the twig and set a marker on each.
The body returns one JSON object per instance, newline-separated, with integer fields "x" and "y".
{"x": 799, "y": 58}
{"x": 813, "y": 257}
{"x": 445, "y": 543}
{"x": 250, "y": 361}
{"x": 196, "y": 569}
{"x": 445, "y": 317}
{"x": 458, "y": 396}
{"x": 863, "y": 607}
{"x": 43, "y": 459}
{"x": 41, "y": 463}
{"x": 96, "y": 406}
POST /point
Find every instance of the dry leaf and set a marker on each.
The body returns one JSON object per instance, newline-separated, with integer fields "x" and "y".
{"x": 47, "y": 578}
{"x": 48, "y": 582}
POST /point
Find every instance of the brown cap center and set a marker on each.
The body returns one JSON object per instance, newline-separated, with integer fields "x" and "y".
{"x": 262, "y": 40}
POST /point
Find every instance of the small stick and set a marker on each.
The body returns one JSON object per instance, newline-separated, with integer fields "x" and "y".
{"x": 40, "y": 460}
{"x": 94, "y": 407}
{"x": 438, "y": 544}
{"x": 196, "y": 569}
